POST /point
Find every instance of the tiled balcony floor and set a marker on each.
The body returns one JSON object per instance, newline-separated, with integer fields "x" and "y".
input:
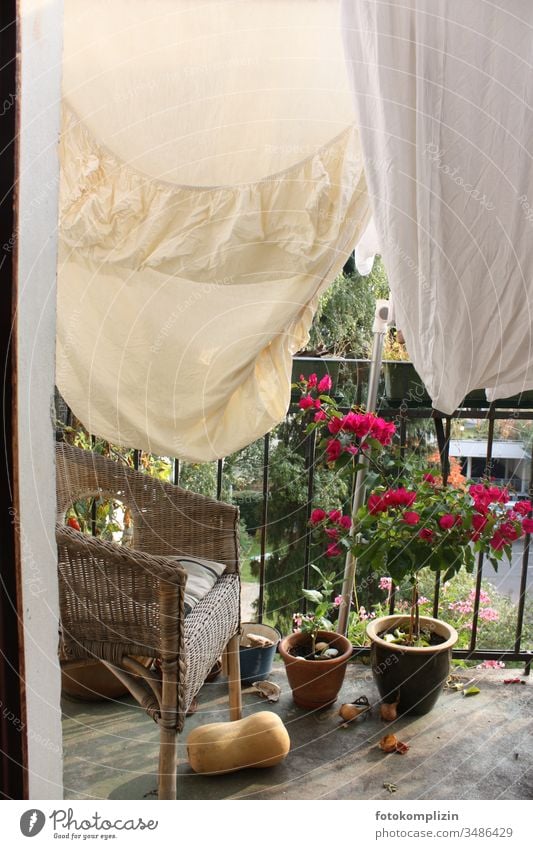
{"x": 467, "y": 748}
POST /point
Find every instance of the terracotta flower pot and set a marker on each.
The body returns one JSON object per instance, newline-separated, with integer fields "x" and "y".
{"x": 91, "y": 681}
{"x": 315, "y": 683}
{"x": 414, "y": 675}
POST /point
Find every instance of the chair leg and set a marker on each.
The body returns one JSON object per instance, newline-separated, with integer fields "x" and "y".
{"x": 167, "y": 763}
{"x": 234, "y": 677}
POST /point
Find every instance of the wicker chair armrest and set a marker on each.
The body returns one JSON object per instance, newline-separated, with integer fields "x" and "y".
{"x": 160, "y": 567}
{"x": 116, "y": 601}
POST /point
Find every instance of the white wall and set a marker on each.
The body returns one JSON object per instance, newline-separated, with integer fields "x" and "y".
{"x": 41, "y": 31}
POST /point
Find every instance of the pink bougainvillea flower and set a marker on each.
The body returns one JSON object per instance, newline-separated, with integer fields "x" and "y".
{"x": 345, "y": 522}
{"x": 335, "y": 516}
{"x": 333, "y": 550}
{"x": 306, "y": 402}
{"x": 497, "y": 542}
{"x": 333, "y": 450}
{"x": 523, "y": 507}
{"x": 363, "y": 424}
{"x": 312, "y": 381}
{"x": 337, "y": 601}
{"x": 411, "y": 518}
{"x": 376, "y": 504}
{"x": 527, "y": 526}
{"x": 428, "y": 478}
{"x": 447, "y": 521}
{"x": 351, "y": 448}
{"x": 479, "y": 522}
{"x": 318, "y": 403}
{"x": 385, "y": 584}
{"x": 332, "y": 533}
{"x": 509, "y": 531}
{"x": 317, "y": 515}
{"x": 320, "y": 416}
{"x": 400, "y": 497}
{"x": 423, "y": 600}
{"x": 426, "y": 534}
{"x": 491, "y": 664}
{"x": 325, "y": 384}
{"x": 335, "y": 425}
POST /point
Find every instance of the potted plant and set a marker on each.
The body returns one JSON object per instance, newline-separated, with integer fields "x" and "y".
{"x": 402, "y": 382}
{"x": 315, "y": 656}
{"x": 402, "y": 529}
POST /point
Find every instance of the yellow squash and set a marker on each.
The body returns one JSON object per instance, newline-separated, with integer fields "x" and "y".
{"x": 259, "y": 740}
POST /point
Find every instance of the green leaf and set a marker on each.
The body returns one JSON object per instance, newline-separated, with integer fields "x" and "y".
{"x": 313, "y": 595}
{"x": 471, "y": 691}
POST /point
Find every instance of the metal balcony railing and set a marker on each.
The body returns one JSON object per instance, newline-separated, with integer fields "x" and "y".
{"x": 405, "y": 406}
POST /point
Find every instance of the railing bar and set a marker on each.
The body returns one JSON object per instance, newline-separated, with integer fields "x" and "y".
{"x": 136, "y": 459}
{"x": 264, "y": 521}
{"x": 176, "y": 472}
{"x": 220, "y": 469}
{"x": 443, "y": 436}
{"x": 403, "y": 434}
{"x": 392, "y": 599}
{"x": 523, "y": 576}
{"x": 479, "y": 573}
{"x": 310, "y": 468}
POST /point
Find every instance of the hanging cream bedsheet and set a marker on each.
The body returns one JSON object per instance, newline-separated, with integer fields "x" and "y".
{"x": 211, "y": 188}
{"x": 444, "y": 92}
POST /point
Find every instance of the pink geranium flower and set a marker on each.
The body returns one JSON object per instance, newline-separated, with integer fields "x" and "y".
{"x": 411, "y": 518}
{"x": 317, "y": 515}
{"x": 333, "y": 550}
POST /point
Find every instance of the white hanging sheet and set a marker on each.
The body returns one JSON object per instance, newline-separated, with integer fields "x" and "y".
{"x": 211, "y": 188}
{"x": 444, "y": 93}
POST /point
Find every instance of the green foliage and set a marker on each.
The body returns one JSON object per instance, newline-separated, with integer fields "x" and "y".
{"x": 342, "y": 326}
{"x": 320, "y": 600}
{"x": 250, "y": 504}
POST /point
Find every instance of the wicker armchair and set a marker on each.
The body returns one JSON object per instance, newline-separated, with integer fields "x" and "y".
{"x": 118, "y": 602}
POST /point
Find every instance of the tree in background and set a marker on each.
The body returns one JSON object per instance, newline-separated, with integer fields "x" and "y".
{"x": 342, "y": 326}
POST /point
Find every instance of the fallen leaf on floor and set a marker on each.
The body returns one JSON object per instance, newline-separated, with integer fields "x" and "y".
{"x": 455, "y": 682}
{"x": 392, "y": 788}
{"x": 390, "y": 743}
{"x": 471, "y": 691}
{"x": 267, "y": 690}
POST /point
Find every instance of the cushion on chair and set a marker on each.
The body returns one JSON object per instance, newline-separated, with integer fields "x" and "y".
{"x": 202, "y": 576}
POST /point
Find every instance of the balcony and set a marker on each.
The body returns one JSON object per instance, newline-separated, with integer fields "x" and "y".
{"x": 468, "y": 747}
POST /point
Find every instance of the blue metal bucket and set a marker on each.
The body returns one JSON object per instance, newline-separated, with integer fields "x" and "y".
{"x": 256, "y": 662}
